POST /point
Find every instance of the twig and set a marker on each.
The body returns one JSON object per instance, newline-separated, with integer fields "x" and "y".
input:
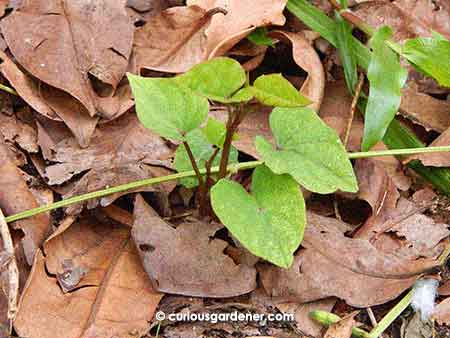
{"x": 372, "y": 318}
{"x": 13, "y": 271}
{"x": 353, "y": 108}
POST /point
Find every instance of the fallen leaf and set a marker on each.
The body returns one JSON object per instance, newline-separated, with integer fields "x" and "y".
{"x": 424, "y": 109}
{"x": 417, "y": 328}
{"x": 436, "y": 159}
{"x": 15, "y": 196}
{"x": 242, "y": 17}
{"x": 112, "y": 298}
{"x": 121, "y": 142}
{"x": 442, "y": 312}
{"x": 335, "y": 265}
{"x": 341, "y": 329}
{"x": 65, "y": 43}
{"x": 173, "y": 41}
{"x": 186, "y": 260}
{"x": 121, "y": 151}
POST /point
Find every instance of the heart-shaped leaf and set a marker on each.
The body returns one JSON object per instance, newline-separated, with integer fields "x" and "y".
{"x": 308, "y": 150}
{"x": 166, "y": 107}
{"x": 202, "y": 151}
{"x": 270, "y": 222}
{"x": 275, "y": 90}
{"x": 217, "y": 79}
{"x": 386, "y": 77}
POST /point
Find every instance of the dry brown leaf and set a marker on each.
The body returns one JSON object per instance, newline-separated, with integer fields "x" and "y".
{"x": 442, "y": 312}
{"x": 15, "y": 196}
{"x": 186, "y": 260}
{"x": 64, "y": 43}
{"x": 111, "y": 295}
{"x": 241, "y": 18}
{"x": 342, "y": 329}
{"x": 306, "y": 57}
{"x": 173, "y": 41}
{"x": 16, "y": 130}
{"x": 424, "y": 109}
{"x": 436, "y": 159}
{"x": 121, "y": 142}
{"x": 335, "y": 265}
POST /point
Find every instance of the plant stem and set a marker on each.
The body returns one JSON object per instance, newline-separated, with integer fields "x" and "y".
{"x": 191, "y": 173}
{"x": 392, "y": 315}
{"x": 201, "y": 183}
{"x": 122, "y": 188}
{"x": 8, "y": 89}
{"x": 398, "y": 152}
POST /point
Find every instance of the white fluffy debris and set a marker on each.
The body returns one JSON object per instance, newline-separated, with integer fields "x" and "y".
{"x": 424, "y": 295}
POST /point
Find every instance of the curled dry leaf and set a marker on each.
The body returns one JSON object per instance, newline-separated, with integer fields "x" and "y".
{"x": 306, "y": 57}
{"x": 442, "y": 312}
{"x": 186, "y": 260}
{"x": 241, "y": 18}
{"x": 64, "y": 43}
{"x": 120, "y": 152}
{"x": 15, "y": 196}
{"x": 362, "y": 275}
{"x": 110, "y": 295}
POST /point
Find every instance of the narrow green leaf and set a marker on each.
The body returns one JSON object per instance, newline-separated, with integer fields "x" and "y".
{"x": 309, "y": 150}
{"x": 318, "y": 21}
{"x": 346, "y": 53}
{"x": 270, "y": 222}
{"x": 386, "y": 77}
{"x": 167, "y": 108}
{"x": 217, "y": 79}
{"x": 259, "y": 37}
{"x": 202, "y": 151}
{"x": 275, "y": 90}
{"x": 431, "y": 56}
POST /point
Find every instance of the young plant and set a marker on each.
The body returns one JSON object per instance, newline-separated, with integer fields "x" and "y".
{"x": 270, "y": 221}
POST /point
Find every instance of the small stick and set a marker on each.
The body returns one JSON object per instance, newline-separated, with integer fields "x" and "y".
{"x": 13, "y": 271}
{"x": 372, "y": 318}
{"x": 353, "y": 108}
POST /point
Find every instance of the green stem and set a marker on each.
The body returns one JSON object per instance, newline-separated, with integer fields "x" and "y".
{"x": 8, "y": 89}
{"x": 398, "y": 152}
{"x": 392, "y": 315}
{"x": 124, "y": 187}
{"x": 230, "y": 168}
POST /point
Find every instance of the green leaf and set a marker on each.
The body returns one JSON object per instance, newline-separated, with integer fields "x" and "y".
{"x": 270, "y": 222}
{"x": 346, "y": 53}
{"x": 259, "y": 37}
{"x": 215, "y": 132}
{"x": 275, "y": 90}
{"x": 309, "y": 150}
{"x": 318, "y": 21}
{"x": 217, "y": 79}
{"x": 386, "y": 77}
{"x": 244, "y": 94}
{"x": 167, "y": 108}
{"x": 202, "y": 151}
{"x": 431, "y": 56}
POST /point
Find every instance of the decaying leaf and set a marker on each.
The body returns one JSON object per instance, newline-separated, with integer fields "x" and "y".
{"x": 65, "y": 43}
{"x": 335, "y": 265}
{"x": 109, "y": 294}
{"x": 15, "y": 196}
{"x": 186, "y": 260}
{"x": 436, "y": 159}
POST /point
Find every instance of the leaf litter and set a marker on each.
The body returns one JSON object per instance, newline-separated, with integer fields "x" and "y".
{"x": 73, "y": 129}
